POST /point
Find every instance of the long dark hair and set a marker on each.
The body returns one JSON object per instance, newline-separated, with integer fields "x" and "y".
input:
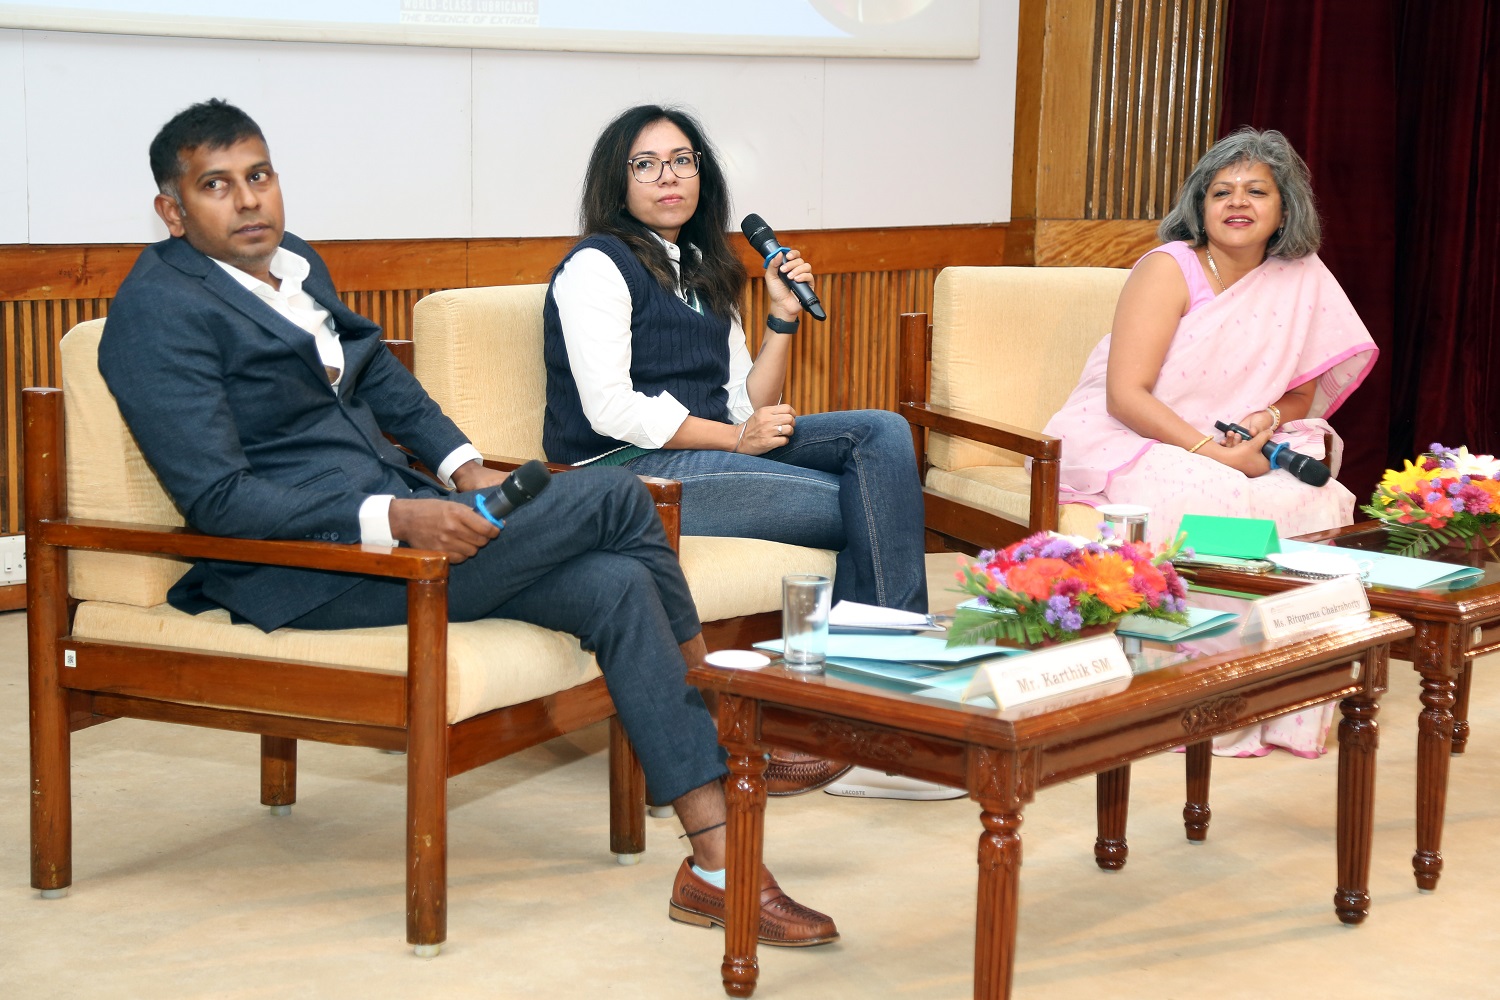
{"x": 714, "y": 272}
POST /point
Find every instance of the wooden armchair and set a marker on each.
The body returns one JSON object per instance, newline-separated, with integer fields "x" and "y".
{"x": 105, "y": 543}
{"x": 1003, "y": 350}
{"x": 479, "y": 354}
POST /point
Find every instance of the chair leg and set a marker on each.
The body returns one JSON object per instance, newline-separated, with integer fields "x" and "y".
{"x": 427, "y": 734}
{"x": 278, "y": 774}
{"x": 51, "y": 738}
{"x": 627, "y": 797}
{"x": 51, "y": 780}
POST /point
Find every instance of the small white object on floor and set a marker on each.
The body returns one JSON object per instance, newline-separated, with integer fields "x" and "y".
{"x": 867, "y": 783}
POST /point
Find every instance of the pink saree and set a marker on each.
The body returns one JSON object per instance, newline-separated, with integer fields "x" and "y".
{"x": 1286, "y": 323}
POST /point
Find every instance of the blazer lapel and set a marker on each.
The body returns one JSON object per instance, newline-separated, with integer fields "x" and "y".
{"x": 181, "y": 255}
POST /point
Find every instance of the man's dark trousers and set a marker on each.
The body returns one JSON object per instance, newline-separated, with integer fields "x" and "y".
{"x": 589, "y": 557}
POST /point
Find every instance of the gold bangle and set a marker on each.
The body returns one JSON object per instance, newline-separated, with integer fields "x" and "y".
{"x": 1194, "y": 449}
{"x": 1275, "y": 413}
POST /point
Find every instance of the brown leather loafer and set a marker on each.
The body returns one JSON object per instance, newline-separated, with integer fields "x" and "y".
{"x": 784, "y": 922}
{"x": 792, "y": 773}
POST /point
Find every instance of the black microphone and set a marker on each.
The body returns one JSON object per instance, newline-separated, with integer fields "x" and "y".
{"x": 520, "y": 486}
{"x": 1304, "y": 467}
{"x": 763, "y": 238}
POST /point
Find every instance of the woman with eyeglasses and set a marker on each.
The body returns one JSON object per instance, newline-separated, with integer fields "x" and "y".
{"x": 648, "y": 367}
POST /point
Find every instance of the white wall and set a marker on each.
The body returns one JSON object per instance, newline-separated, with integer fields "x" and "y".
{"x": 380, "y": 142}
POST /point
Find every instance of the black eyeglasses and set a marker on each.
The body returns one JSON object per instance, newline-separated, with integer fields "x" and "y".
{"x": 648, "y": 169}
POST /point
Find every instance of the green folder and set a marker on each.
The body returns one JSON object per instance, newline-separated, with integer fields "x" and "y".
{"x": 1235, "y": 537}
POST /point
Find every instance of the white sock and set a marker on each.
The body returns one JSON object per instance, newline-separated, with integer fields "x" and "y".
{"x": 715, "y": 879}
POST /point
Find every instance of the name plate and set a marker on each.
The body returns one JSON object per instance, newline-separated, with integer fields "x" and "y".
{"x": 1311, "y": 607}
{"x": 1051, "y": 671}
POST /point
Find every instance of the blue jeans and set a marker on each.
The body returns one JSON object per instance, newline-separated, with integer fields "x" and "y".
{"x": 845, "y": 481}
{"x": 589, "y": 557}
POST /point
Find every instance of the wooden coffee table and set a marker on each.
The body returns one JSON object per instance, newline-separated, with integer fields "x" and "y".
{"x": 1453, "y": 626}
{"x": 1176, "y": 696}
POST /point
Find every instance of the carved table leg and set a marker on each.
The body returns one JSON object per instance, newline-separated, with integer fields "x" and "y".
{"x": 1002, "y": 783}
{"x": 999, "y": 894}
{"x": 1461, "y": 708}
{"x": 1358, "y": 738}
{"x": 745, "y": 799}
{"x": 1112, "y": 796}
{"x": 1195, "y": 812}
{"x": 1433, "y": 654}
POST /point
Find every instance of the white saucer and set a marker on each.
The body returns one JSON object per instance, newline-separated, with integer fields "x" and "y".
{"x": 737, "y": 659}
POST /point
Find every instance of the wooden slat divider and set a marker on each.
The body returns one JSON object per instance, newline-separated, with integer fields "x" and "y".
{"x": 1154, "y": 102}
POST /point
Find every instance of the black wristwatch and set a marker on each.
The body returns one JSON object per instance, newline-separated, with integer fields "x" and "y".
{"x": 781, "y": 325}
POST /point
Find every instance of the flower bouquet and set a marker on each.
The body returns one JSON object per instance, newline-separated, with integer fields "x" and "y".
{"x": 1052, "y": 587}
{"x": 1447, "y": 496}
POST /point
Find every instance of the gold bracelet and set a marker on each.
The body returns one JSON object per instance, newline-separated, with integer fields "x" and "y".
{"x": 1275, "y": 413}
{"x": 1194, "y": 449}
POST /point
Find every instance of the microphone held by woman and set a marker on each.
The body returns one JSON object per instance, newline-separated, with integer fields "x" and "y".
{"x": 1304, "y": 467}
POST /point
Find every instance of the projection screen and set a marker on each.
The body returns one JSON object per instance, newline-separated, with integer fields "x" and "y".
{"x": 925, "y": 29}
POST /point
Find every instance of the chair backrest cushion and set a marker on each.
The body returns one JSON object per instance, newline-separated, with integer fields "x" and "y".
{"x": 479, "y": 354}
{"x": 108, "y": 479}
{"x": 1008, "y": 344}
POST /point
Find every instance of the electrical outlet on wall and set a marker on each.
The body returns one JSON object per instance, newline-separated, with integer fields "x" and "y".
{"x": 12, "y": 559}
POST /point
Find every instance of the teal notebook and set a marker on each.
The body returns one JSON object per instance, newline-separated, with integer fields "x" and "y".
{"x": 1200, "y": 621}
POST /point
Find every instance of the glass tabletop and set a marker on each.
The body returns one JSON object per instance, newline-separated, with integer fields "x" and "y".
{"x": 954, "y": 684}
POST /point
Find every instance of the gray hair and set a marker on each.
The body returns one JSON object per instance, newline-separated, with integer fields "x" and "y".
{"x": 1301, "y": 232}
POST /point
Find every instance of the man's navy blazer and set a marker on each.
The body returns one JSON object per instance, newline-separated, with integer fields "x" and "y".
{"x": 231, "y": 405}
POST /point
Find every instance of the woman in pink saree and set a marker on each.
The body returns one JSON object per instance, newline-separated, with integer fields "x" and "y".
{"x": 1236, "y": 319}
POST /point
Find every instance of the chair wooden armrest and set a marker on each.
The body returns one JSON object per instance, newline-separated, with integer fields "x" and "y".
{"x": 946, "y": 516}
{"x": 1032, "y": 444}
{"x": 156, "y": 539}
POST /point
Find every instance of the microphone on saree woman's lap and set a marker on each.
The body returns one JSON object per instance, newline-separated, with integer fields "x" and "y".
{"x": 763, "y": 238}
{"x": 518, "y": 487}
{"x": 1304, "y": 467}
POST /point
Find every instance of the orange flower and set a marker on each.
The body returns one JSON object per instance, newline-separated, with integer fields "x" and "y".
{"x": 1036, "y": 577}
{"x": 1108, "y": 576}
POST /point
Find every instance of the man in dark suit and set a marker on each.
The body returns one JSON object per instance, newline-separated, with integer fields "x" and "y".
{"x": 261, "y": 402}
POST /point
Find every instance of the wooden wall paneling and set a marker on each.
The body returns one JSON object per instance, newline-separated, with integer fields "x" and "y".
{"x": 867, "y": 278}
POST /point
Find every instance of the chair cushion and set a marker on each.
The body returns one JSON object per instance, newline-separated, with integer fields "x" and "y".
{"x": 1008, "y": 344}
{"x": 108, "y": 479}
{"x": 491, "y": 663}
{"x": 479, "y": 354}
{"x": 1007, "y": 489}
{"x": 730, "y": 577}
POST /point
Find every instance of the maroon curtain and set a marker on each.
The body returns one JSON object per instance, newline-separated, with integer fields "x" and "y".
{"x": 1394, "y": 105}
{"x": 1447, "y": 363}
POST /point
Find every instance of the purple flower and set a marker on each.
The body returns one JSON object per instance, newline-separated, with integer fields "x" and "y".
{"x": 1454, "y": 488}
{"x": 1106, "y": 529}
{"x": 1072, "y": 621}
{"x": 1057, "y": 606}
{"x": 1058, "y": 548}
{"x": 1188, "y": 553}
{"x": 1458, "y": 505}
{"x": 1434, "y": 496}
